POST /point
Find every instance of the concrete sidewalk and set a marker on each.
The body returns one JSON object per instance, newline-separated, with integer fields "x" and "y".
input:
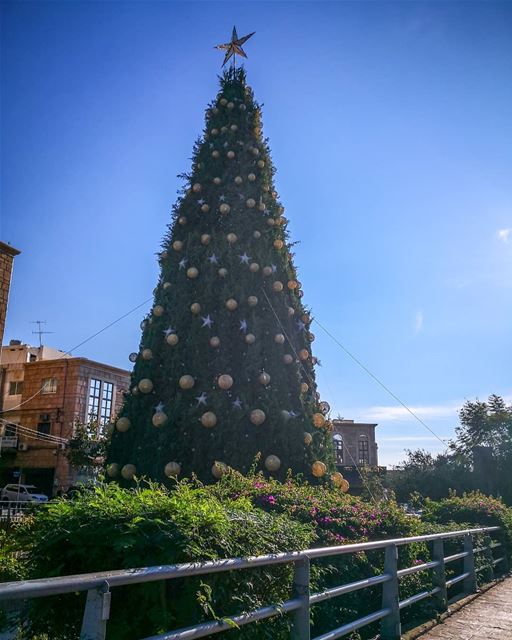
{"x": 488, "y": 617}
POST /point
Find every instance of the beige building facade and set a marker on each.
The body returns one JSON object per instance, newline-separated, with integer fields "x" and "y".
{"x": 43, "y": 393}
{"x": 7, "y": 255}
{"x": 355, "y": 446}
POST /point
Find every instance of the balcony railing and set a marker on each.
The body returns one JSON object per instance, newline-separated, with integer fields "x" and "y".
{"x": 99, "y": 585}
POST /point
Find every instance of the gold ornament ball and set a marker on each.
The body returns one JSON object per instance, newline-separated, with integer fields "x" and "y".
{"x": 266, "y": 187}
{"x": 172, "y": 469}
{"x": 291, "y": 311}
{"x": 195, "y": 307}
{"x": 303, "y": 354}
{"x": 308, "y": 438}
{"x": 225, "y": 381}
{"x": 172, "y": 339}
{"x": 304, "y": 387}
{"x": 147, "y": 354}
{"x": 223, "y": 129}
{"x": 272, "y": 463}
{"x": 177, "y": 245}
{"x": 238, "y": 180}
{"x": 215, "y": 154}
{"x": 251, "y": 177}
{"x": 257, "y": 417}
{"x": 182, "y": 220}
{"x": 318, "y": 420}
{"x": 223, "y": 102}
{"x": 277, "y": 286}
{"x": 250, "y": 203}
{"x": 242, "y": 107}
{"x": 214, "y": 132}
{"x": 234, "y": 127}
{"x": 145, "y": 385}
{"x": 318, "y": 469}
{"x": 279, "y": 338}
{"x": 159, "y": 419}
{"x": 158, "y": 310}
{"x": 214, "y": 342}
{"x": 192, "y": 273}
{"x": 209, "y": 419}
{"x": 205, "y": 208}
{"x": 264, "y": 378}
{"x": 292, "y": 284}
{"x": 113, "y": 470}
{"x": 231, "y": 105}
{"x": 166, "y": 285}
{"x": 123, "y": 424}
{"x": 128, "y": 471}
{"x": 224, "y": 208}
{"x": 222, "y": 272}
{"x": 256, "y": 235}
{"x": 337, "y": 479}
{"x": 254, "y": 267}
{"x": 267, "y": 271}
{"x": 252, "y": 301}
{"x": 345, "y": 486}
{"x": 205, "y": 239}
{"x": 231, "y": 238}
{"x": 261, "y": 206}
{"x": 261, "y": 164}
{"x": 278, "y": 244}
{"x": 250, "y": 338}
{"x": 255, "y": 151}
{"x": 230, "y": 154}
{"x": 287, "y": 358}
{"x": 219, "y": 469}
{"x": 271, "y": 222}
{"x": 186, "y": 382}
{"x": 285, "y": 415}
{"x": 217, "y": 180}
{"x": 196, "y": 188}
{"x": 231, "y": 304}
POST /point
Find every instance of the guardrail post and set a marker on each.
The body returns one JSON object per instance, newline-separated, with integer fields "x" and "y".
{"x": 441, "y": 597}
{"x": 469, "y": 565}
{"x": 96, "y": 614}
{"x": 300, "y": 617}
{"x": 487, "y": 541}
{"x": 390, "y": 627}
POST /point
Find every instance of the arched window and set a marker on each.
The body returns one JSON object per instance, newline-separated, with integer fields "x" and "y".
{"x": 363, "y": 450}
{"x": 338, "y": 448}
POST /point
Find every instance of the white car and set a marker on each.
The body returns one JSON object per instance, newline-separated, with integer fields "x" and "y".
{"x": 22, "y": 493}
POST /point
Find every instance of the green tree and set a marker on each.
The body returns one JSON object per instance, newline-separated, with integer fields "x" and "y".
{"x": 225, "y": 369}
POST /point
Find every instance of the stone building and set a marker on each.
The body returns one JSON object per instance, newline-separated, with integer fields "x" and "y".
{"x": 354, "y": 447}
{"x": 7, "y": 255}
{"x": 43, "y": 393}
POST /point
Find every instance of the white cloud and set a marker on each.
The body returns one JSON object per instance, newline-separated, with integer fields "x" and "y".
{"x": 412, "y": 439}
{"x": 504, "y": 234}
{"x": 394, "y": 413}
{"x": 418, "y": 321}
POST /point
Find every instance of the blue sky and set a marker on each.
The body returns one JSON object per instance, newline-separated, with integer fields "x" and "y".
{"x": 390, "y": 127}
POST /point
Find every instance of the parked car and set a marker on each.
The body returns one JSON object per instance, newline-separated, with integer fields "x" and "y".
{"x": 22, "y": 493}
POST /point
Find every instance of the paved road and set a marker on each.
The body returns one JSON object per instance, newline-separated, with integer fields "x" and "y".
{"x": 488, "y": 617}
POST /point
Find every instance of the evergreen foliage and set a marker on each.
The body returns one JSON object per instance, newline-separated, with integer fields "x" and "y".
{"x": 227, "y": 242}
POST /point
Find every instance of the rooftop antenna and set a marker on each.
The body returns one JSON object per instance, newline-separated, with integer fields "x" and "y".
{"x": 39, "y": 331}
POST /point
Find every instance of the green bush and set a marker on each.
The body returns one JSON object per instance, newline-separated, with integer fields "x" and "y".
{"x": 113, "y": 528}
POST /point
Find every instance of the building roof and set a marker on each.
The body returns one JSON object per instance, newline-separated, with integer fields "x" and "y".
{"x": 351, "y": 423}
{"x": 80, "y": 360}
{"x": 6, "y": 248}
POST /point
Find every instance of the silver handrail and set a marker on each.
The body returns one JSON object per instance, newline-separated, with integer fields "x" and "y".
{"x": 98, "y": 586}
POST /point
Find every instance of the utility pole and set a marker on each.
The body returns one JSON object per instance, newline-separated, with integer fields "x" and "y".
{"x": 39, "y": 331}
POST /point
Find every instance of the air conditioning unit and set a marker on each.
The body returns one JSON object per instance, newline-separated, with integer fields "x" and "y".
{"x": 22, "y": 446}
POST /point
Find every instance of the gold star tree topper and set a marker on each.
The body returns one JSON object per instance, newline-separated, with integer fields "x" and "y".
{"x": 235, "y": 46}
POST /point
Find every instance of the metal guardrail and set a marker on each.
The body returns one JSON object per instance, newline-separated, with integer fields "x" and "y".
{"x": 13, "y": 510}
{"x": 99, "y": 585}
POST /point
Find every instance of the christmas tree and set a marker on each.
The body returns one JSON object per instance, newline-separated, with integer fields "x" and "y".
{"x": 225, "y": 375}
